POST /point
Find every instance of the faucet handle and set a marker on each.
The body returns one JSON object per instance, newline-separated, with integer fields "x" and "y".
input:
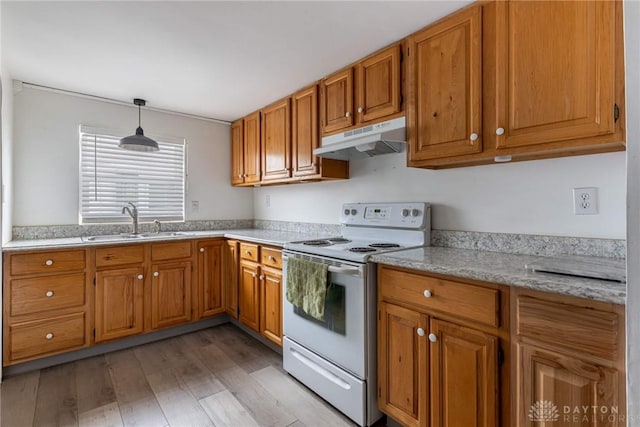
{"x": 158, "y": 225}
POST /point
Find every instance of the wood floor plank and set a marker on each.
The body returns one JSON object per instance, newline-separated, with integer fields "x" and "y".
{"x": 245, "y": 351}
{"x": 102, "y": 416}
{"x": 152, "y": 358}
{"x": 225, "y": 411}
{"x": 57, "y": 403}
{"x": 212, "y": 357}
{"x": 177, "y": 403}
{"x": 93, "y": 384}
{"x": 298, "y": 423}
{"x": 138, "y": 404}
{"x": 298, "y": 400}
{"x": 19, "y": 399}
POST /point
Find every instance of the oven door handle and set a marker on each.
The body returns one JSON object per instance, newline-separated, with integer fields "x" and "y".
{"x": 344, "y": 270}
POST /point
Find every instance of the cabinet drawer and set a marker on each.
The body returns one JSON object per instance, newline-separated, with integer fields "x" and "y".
{"x": 249, "y": 251}
{"x": 120, "y": 255}
{"x": 47, "y": 262}
{"x": 459, "y": 299}
{"x": 41, "y": 337}
{"x": 164, "y": 251}
{"x": 32, "y": 295}
{"x": 581, "y": 329}
{"x": 271, "y": 257}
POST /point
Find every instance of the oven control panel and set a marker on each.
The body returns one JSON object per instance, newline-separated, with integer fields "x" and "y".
{"x": 397, "y": 215}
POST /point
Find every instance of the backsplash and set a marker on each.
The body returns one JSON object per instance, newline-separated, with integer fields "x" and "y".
{"x": 526, "y": 244}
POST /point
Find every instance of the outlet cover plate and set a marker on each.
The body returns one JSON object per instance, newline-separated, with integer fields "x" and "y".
{"x": 585, "y": 201}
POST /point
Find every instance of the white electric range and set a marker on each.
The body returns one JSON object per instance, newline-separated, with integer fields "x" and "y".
{"x": 336, "y": 357}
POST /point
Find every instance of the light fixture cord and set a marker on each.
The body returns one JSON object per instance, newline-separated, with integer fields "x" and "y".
{"x": 139, "y": 107}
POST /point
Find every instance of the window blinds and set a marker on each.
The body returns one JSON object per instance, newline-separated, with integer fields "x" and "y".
{"x": 110, "y": 177}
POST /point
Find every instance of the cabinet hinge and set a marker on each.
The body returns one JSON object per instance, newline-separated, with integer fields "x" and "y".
{"x": 408, "y": 53}
{"x": 500, "y": 356}
{"x": 616, "y": 113}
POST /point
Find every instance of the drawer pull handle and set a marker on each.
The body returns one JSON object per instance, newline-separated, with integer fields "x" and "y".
{"x": 427, "y": 293}
{"x": 140, "y": 276}
{"x": 433, "y": 337}
{"x": 247, "y": 252}
{"x": 49, "y": 294}
{"x": 49, "y": 336}
{"x": 49, "y": 262}
{"x": 201, "y": 249}
{"x": 420, "y": 332}
{"x": 272, "y": 258}
{"x": 156, "y": 274}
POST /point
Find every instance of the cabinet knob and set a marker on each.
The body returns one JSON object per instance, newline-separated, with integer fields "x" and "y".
{"x": 500, "y": 131}
{"x": 49, "y": 262}
{"x": 427, "y": 293}
{"x": 420, "y": 332}
{"x": 49, "y": 336}
{"x": 201, "y": 249}
{"x": 474, "y": 137}
{"x": 247, "y": 252}
{"x": 433, "y": 337}
{"x": 261, "y": 277}
{"x": 272, "y": 258}
{"x": 156, "y": 274}
{"x": 254, "y": 275}
{"x": 140, "y": 276}
{"x": 347, "y": 114}
{"x": 49, "y": 294}
{"x": 360, "y": 109}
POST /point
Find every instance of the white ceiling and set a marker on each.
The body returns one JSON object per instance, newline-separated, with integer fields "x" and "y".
{"x": 215, "y": 59}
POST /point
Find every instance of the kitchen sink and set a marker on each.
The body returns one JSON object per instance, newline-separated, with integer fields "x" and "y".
{"x": 139, "y": 236}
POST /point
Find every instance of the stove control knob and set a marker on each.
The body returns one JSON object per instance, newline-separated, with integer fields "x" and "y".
{"x": 415, "y": 212}
{"x": 346, "y": 211}
{"x": 405, "y": 212}
{"x": 354, "y": 211}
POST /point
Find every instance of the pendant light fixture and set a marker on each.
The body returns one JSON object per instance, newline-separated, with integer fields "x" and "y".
{"x": 139, "y": 142}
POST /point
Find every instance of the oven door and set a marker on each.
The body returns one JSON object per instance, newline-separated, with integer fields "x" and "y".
{"x": 342, "y": 337}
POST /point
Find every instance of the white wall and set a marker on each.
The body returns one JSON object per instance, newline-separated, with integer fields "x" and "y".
{"x": 45, "y": 157}
{"x": 632, "y": 35}
{"x": 528, "y": 197}
{"x": 7, "y": 152}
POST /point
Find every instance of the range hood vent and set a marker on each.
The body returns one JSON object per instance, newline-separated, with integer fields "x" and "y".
{"x": 373, "y": 140}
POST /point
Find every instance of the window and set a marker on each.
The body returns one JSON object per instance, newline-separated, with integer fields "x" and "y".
{"x": 110, "y": 177}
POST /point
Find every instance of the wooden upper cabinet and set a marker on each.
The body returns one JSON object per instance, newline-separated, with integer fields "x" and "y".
{"x": 379, "y": 85}
{"x": 305, "y": 131}
{"x": 252, "y": 148}
{"x": 555, "y": 68}
{"x": 444, "y": 112}
{"x": 237, "y": 152}
{"x": 464, "y": 376}
{"x": 337, "y": 101}
{"x": 276, "y": 140}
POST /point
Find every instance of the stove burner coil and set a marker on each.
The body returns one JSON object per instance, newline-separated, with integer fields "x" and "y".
{"x": 384, "y": 245}
{"x": 362, "y": 250}
{"x": 317, "y": 243}
{"x": 339, "y": 240}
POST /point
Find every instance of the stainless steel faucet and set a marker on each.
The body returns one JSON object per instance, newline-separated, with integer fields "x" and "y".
{"x": 132, "y": 210}
{"x": 158, "y": 226}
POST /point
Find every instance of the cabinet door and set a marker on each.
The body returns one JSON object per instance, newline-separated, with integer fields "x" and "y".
{"x": 276, "y": 140}
{"x": 337, "y": 101}
{"x": 210, "y": 294}
{"x": 304, "y": 131}
{"x": 237, "y": 152}
{"x": 249, "y": 295}
{"x": 555, "y": 68}
{"x": 170, "y": 294}
{"x": 252, "y": 148}
{"x": 403, "y": 365}
{"x": 271, "y": 304}
{"x": 564, "y": 383}
{"x": 464, "y": 376}
{"x": 119, "y": 300}
{"x": 444, "y": 109}
{"x": 379, "y": 85}
{"x": 230, "y": 266}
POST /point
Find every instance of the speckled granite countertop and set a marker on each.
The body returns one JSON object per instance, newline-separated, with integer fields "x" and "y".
{"x": 266, "y": 237}
{"x": 507, "y": 269}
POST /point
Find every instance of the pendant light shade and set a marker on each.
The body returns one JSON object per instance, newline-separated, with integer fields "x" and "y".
{"x": 138, "y": 142}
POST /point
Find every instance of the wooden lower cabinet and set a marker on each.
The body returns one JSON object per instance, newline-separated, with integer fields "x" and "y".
{"x": 271, "y": 304}
{"x": 249, "y": 294}
{"x": 119, "y": 303}
{"x": 210, "y": 293}
{"x": 170, "y": 294}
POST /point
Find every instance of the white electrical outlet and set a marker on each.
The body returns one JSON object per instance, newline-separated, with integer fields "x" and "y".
{"x": 267, "y": 200}
{"x": 195, "y": 206}
{"x": 585, "y": 201}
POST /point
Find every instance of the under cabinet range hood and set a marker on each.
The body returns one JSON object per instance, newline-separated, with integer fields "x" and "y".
{"x": 373, "y": 140}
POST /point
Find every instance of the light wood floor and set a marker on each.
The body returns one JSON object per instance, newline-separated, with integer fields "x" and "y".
{"x": 215, "y": 377}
